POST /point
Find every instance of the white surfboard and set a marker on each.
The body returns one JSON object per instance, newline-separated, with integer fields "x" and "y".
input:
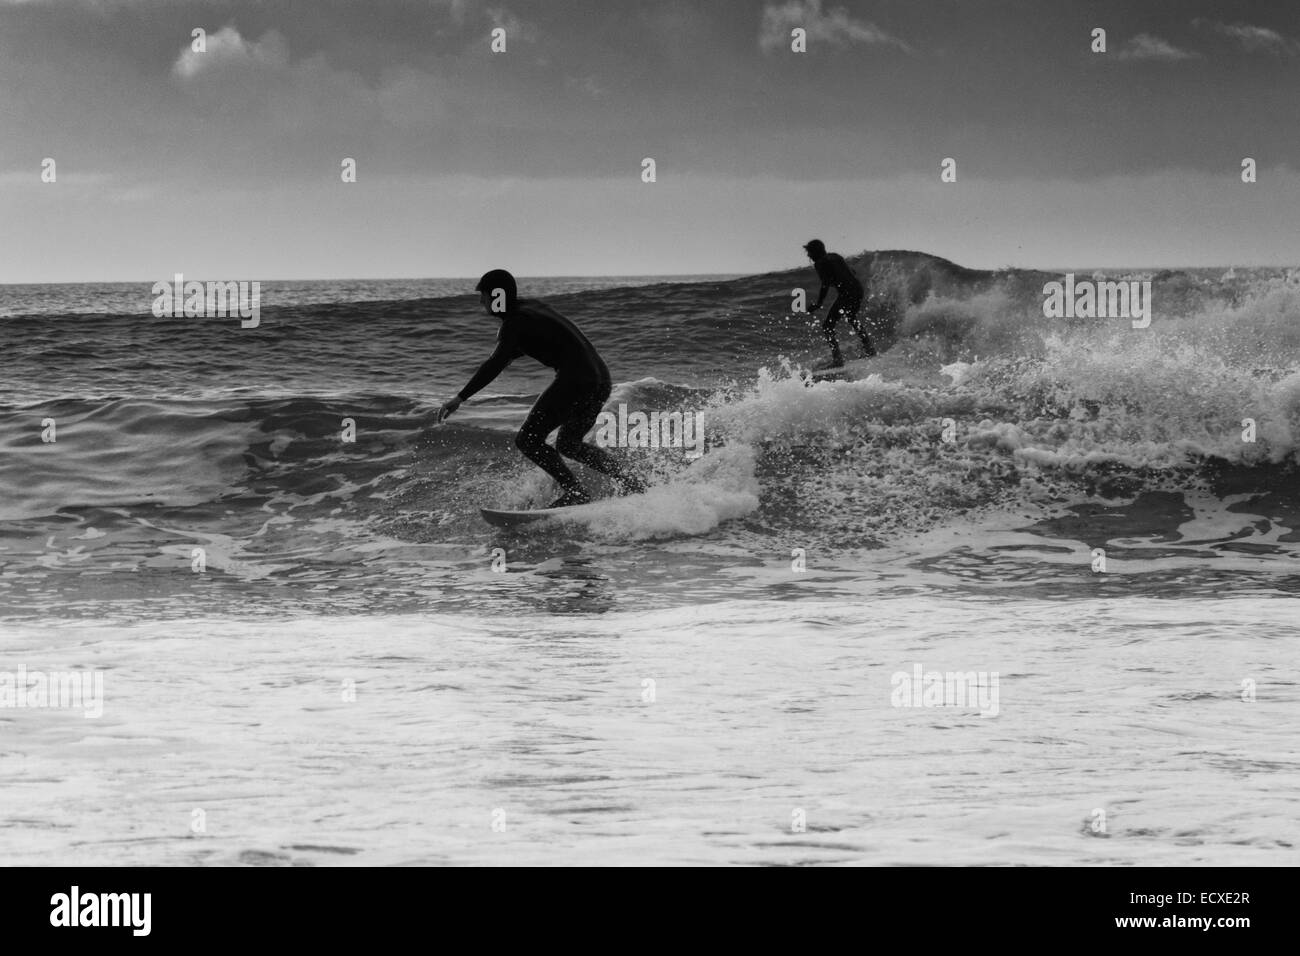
{"x": 509, "y": 517}
{"x": 848, "y": 372}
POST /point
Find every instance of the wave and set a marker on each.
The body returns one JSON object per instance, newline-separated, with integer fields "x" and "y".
{"x": 980, "y": 401}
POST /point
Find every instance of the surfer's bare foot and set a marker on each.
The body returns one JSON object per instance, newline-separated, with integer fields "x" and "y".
{"x": 575, "y": 496}
{"x": 828, "y": 364}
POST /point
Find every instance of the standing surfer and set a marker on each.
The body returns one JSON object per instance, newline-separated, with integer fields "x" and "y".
{"x": 570, "y": 403}
{"x": 834, "y": 271}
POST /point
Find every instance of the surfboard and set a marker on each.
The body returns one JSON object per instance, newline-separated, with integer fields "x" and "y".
{"x": 510, "y": 518}
{"x": 849, "y": 371}
{"x": 824, "y": 374}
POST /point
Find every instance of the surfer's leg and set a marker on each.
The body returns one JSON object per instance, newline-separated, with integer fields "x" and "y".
{"x": 850, "y": 312}
{"x": 549, "y": 412}
{"x": 570, "y": 444}
{"x": 828, "y": 331}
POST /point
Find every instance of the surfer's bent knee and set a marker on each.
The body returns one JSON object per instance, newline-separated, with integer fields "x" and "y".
{"x": 526, "y": 440}
{"x": 569, "y": 446}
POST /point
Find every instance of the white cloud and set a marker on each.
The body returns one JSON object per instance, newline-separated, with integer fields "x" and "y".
{"x": 249, "y": 79}
{"x": 1144, "y": 46}
{"x": 226, "y": 48}
{"x": 1251, "y": 38}
{"x": 834, "y": 26}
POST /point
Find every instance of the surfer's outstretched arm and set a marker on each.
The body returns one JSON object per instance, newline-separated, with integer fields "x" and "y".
{"x": 487, "y": 372}
{"x": 501, "y": 356}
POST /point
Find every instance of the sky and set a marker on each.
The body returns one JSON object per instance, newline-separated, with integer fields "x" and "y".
{"x": 227, "y": 163}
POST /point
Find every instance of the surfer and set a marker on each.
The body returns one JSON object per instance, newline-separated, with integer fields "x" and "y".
{"x": 570, "y": 403}
{"x": 834, "y": 271}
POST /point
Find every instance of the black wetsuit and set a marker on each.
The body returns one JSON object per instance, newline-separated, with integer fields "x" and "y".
{"x": 571, "y": 403}
{"x": 834, "y": 271}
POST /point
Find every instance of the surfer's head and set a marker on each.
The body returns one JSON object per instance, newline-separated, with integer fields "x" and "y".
{"x": 815, "y": 249}
{"x": 497, "y": 292}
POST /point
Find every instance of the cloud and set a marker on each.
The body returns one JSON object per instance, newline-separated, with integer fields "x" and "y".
{"x": 252, "y": 79}
{"x": 835, "y": 26}
{"x": 226, "y": 49}
{"x": 1144, "y": 46}
{"x": 1251, "y": 38}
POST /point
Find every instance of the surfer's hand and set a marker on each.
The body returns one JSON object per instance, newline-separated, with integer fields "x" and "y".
{"x": 441, "y": 415}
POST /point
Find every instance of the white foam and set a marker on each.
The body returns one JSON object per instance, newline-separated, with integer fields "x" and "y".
{"x": 718, "y": 487}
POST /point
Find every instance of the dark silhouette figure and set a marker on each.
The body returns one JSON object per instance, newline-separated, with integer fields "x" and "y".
{"x": 834, "y": 271}
{"x": 570, "y": 403}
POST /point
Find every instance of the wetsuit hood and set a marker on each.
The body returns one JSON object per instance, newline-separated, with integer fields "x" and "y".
{"x": 500, "y": 279}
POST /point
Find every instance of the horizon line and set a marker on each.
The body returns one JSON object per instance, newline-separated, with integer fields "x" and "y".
{"x": 609, "y": 275}
{"x": 664, "y": 275}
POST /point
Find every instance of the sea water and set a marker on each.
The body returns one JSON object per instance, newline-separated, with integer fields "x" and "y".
{"x": 313, "y": 651}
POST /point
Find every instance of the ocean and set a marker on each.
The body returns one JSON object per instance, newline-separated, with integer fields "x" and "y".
{"x": 1020, "y": 592}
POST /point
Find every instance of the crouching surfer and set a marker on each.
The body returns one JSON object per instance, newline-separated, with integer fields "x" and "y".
{"x": 835, "y": 273}
{"x": 570, "y": 403}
